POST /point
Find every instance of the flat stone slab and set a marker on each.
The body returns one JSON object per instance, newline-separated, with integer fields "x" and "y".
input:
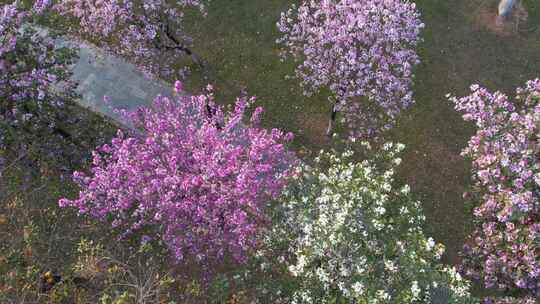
{"x": 100, "y": 74}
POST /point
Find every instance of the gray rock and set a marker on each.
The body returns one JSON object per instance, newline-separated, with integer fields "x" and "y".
{"x": 506, "y": 7}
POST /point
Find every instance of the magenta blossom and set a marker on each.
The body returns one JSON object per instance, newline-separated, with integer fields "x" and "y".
{"x": 197, "y": 176}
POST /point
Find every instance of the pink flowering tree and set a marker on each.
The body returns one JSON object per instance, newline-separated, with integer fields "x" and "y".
{"x": 149, "y": 33}
{"x": 192, "y": 175}
{"x": 505, "y": 250}
{"x": 361, "y": 51}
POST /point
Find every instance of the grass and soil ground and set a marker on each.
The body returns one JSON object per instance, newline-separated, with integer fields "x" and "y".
{"x": 237, "y": 40}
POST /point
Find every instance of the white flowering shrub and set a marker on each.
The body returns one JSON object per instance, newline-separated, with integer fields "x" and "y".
{"x": 353, "y": 236}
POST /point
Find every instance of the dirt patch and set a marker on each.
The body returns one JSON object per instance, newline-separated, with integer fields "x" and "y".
{"x": 488, "y": 18}
{"x": 313, "y": 126}
{"x": 440, "y": 167}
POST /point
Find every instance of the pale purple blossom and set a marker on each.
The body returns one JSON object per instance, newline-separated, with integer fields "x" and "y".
{"x": 362, "y": 51}
{"x": 505, "y": 251}
{"x": 149, "y": 32}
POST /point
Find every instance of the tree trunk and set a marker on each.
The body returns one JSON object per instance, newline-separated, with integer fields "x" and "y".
{"x": 183, "y": 48}
{"x": 332, "y": 120}
{"x": 210, "y": 114}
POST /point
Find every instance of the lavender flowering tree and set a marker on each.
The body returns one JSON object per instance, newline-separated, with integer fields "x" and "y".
{"x": 31, "y": 106}
{"x": 194, "y": 176}
{"x": 29, "y": 66}
{"x": 362, "y": 51}
{"x": 504, "y": 249}
{"x": 148, "y": 32}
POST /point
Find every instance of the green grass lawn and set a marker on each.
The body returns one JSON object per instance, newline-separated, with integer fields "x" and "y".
{"x": 237, "y": 39}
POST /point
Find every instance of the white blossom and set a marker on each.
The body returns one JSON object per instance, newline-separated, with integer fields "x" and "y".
{"x": 338, "y": 230}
